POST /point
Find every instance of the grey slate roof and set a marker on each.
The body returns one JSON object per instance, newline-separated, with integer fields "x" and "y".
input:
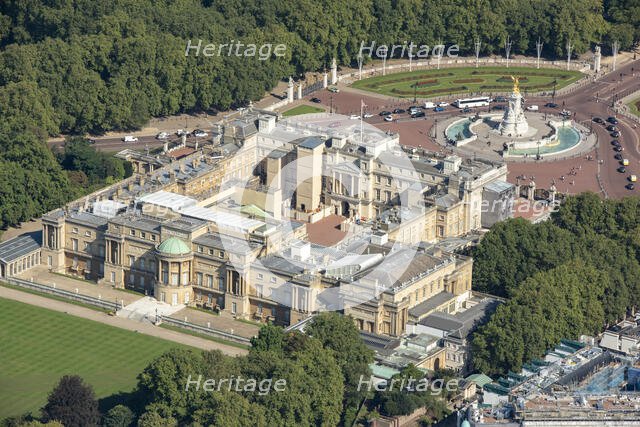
{"x": 20, "y": 246}
{"x": 311, "y": 142}
{"x": 431, "y": 304}
{"x": 89, "y": 219}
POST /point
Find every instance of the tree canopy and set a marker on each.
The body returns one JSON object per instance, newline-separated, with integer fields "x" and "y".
{"x": 86, "y": 66}
{"x": 572, "y": 275}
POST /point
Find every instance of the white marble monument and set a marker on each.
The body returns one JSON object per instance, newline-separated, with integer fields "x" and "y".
{"x": 514, "y": 123}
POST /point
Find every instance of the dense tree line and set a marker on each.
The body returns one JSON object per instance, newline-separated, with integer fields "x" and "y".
{"x": 88, "y": 168}
{"x": 86, "y": 66}
{"x": 572, "y": 275}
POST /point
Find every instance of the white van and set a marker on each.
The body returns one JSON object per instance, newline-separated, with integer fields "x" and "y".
{"x": 429, "y": 105}
{"x": 130, "y": 138}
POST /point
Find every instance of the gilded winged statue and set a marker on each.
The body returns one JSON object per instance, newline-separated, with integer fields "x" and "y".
{"x": 516, "y": 84}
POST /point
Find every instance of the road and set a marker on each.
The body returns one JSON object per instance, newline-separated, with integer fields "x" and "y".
{"x": 592, "y": 100}
{"x": 98, "y": 316}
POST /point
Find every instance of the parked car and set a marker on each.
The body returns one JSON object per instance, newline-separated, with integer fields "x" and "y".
{"x": 622, "y": 169}
{"x": 438, "y": 109}
{"x": 429, "y": 105}
{"x": 551, "y": 105}
{"x": 632, "y": 178}
{"x": 418, "y": 114}
{"x": 615, "y": 142}
{"x": 498, "y": 107}
{"x": 367, "y": 115}
{"x": 388, "y": 118}
{"x": 398, "y": 111}
{"x": 316, "y": 100}
{"x": 618, "y": 156}
{"x": 354, "y": 117}
{"x": 443, "y": 104}
{"x": 611, "y": 128}
{"x": 612, "y": 120}
{"x": 333, "y": 89}
{"x": 630, "y": 186}
{"x": 500, "y": 99}
{"x": 162, "y": 135}
{"x": 532, "y": 108}
{"x": 624, "y": 162}
{"x": 130, "y": 138}
{"x": 181, "y": 132}
{"x": 200, "y": 133}
{"x": 598, "y": 120}
{"x": 618, "y": 148}
{"x": 384, "y": 113}
{"x": 616, "y": 134}
{"x": 466, "y": 110}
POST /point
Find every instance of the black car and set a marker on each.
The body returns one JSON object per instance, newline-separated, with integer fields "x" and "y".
{"x": 615, "y": 134}
{"x": 498, "y": 107}
{"x": 418, "y": 114}
{"x": 615, "y": 142}
{"x": 500, "y": 99}
{"x": 598, "y": 120}
{"x": 618, "y": 148}
{"x": 622, "y": 169}
{"x": 551, "y": 105}
{"x": 611, "y": 128}
{"x": 384, "y": 113}
{"x": 618, "y": 156}
{"x": 612, "y": 120}
{"x": 630, "y": 186}
{"x": 398, "y": 111}
{"x": 466, "y": 110}
{"x": 316, "y": 100}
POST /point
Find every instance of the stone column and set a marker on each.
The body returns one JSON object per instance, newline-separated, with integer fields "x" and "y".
{"x": 299, "y": 90}
{"x": 597, "y": 58}
{"x": 334, "y": 72}
{"x": 290, "y": 90}
{"x": 325, "y": 78}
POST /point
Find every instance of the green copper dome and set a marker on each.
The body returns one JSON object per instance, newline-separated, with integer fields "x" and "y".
{"x": 174, "y": 246}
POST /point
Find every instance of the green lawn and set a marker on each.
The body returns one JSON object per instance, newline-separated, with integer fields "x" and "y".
{"x": 38, "y": 346}
{"x": 302, "y": 109}
{"x": 634, "y": 107}
{"x": 433, "y": 83}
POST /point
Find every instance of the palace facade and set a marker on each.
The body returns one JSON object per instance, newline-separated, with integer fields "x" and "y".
{"x": 226, "y": 227}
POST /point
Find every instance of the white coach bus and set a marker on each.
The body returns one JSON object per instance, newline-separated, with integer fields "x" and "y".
{"x": 482, "y": 101}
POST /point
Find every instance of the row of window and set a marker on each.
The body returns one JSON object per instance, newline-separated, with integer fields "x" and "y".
{"x": 87, "y": 233}
{"x": 142, "y": 235}
{"x": 211, "y": 252}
